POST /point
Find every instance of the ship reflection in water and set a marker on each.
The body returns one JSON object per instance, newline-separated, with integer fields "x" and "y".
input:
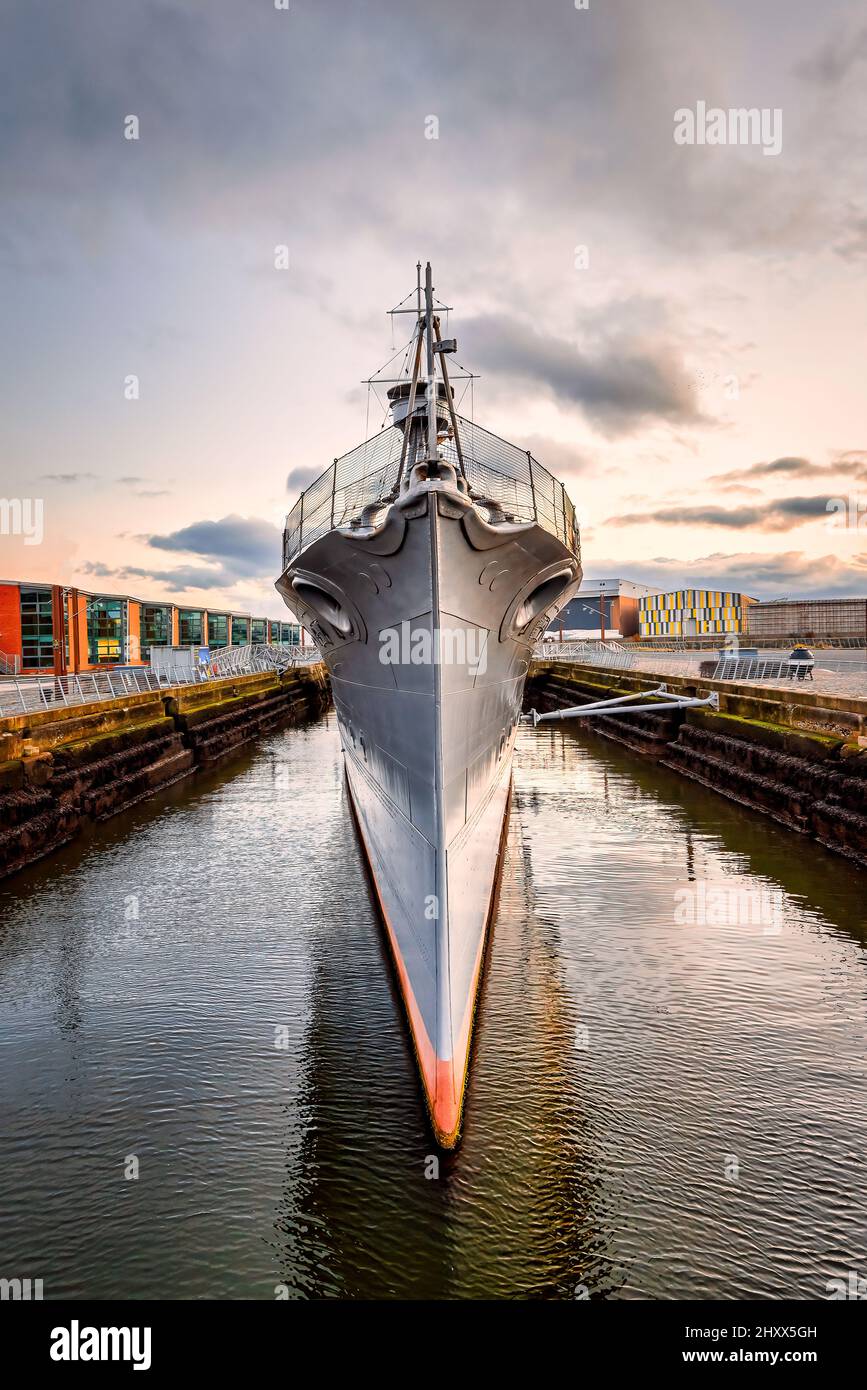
{"x": 659, "y": 1107}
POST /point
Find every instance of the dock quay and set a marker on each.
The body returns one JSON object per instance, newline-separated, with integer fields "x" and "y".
{"x": 69, "y": 765}
{"x": 795, "y": 754}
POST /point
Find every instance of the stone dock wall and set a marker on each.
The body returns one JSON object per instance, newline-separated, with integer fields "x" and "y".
{"x": 64, "y": 768}
{"x": 795, "y": 755}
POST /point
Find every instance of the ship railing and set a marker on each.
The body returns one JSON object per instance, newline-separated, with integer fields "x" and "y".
{"x": 611, "y": 655}
{"x": 517, "y": 487}
{"x": 30, "y": 694}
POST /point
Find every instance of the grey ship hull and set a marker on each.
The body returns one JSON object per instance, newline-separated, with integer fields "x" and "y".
{"x": 426, "y": 621}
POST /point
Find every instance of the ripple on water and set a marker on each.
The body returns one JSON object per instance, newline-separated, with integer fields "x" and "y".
{"x": 204, "y": 988}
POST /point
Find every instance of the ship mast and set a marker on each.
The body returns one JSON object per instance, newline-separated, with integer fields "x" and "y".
{"x": 422, "y": 426}
{"x": 431, "y": 369}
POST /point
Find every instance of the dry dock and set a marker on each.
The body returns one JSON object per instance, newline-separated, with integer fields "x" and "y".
{"x": 795, "y": 754}
{"x": 63, "y": 768}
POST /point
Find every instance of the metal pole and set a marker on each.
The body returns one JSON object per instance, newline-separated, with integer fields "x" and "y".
{"x": 532, "y": 485}
{"x": 407, "y": 429}
{"x": 431, "y": 371}
{"x": 454, "y": 419}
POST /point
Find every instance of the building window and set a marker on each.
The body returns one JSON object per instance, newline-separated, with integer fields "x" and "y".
{"x": 218, "y": 630}
{"x": 240, "y": 632}
{"x": 190, "y": 628}
{"x": 105, "y": 630}
{"x": 37, "y": 630}
{"x": 259, "y": 631}
{"x": 155, "y": 627}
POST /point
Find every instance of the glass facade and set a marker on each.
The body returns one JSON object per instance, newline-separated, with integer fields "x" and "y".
{"x": 37, "y": 630}
{"x": 284, "y": 632}
{"x": 191, "y": 627}
{"x": 106, "y": 630}
{"x": 156, "y": 627}
{"x": 260, "y": 629}
{"x": 218, "y": 630}
{"x": 240, "y": 632}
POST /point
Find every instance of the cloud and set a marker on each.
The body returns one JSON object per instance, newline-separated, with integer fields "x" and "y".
{"x": 179, "y": 580}
{"x": 781, "y": 514}
{"x": 790, "y": 467}
{"x": 617, "y": 386}
{"x": 96, "y": 568}
{"x": 836, "y": 58}
{"x": 852, "y": 463}
{"x": 67, "y": 477}
{"x": 791, "y": 574}
{"x": 242, "y": 547}
{"x": 300, "y": 478}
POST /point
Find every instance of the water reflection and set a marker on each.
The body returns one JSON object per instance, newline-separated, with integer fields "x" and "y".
{"x": 656, "y": 1108}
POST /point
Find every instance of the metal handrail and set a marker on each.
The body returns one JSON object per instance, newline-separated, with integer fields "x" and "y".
{"x": 593, "y": 653}
{"x": 519, "y": 487}
{"x": 30, "y": 694}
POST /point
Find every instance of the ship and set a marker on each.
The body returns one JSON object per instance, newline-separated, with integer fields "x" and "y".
{"x": 425, "y": 564}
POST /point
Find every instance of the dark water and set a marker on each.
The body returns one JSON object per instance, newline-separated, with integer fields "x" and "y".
{"x": 657, "y": 1108}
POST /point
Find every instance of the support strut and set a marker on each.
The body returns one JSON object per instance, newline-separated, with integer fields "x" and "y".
{"x": 620, "y": 705}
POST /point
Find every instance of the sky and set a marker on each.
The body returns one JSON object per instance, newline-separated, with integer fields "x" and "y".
{"x": 676, "y": 330}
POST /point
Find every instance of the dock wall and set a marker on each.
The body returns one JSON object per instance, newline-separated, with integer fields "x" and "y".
{"x": 64, "y": 768}
{"x": 793, "y": 754}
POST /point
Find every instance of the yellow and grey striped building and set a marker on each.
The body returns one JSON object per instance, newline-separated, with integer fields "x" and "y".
{"x": 692, "y": 613}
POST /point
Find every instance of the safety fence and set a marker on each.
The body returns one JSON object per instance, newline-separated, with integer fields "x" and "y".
{"x": 517, "y": 485}
{"x": 30, "y": 694}
{"x": 608, "y": 654}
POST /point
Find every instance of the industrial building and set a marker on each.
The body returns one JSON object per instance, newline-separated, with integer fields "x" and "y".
{"x": 809, "y": 619}
{"x": 52, "y": 628}
{"x": 693, "y": 613}
{"x": 602, "y": 608}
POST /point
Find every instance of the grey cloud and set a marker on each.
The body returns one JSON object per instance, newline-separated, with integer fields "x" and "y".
{"x": 320, "y": 98}
{"x": 180, "y": 579}
{"x": 794, "y": 467}
{"x": 97, "y": 568}
{"x": 853, "y": 244}
{"x": 66, "y": 477}
{"x": 836, "y": 58}
{"x": 244, "y": 547}
{"x": 184, "y": 577}
{"x": 301, "y": 477}
{"x": 780, "y": 514}
{"x": 618, "y": 388}
{"x": 791, "y": 574}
